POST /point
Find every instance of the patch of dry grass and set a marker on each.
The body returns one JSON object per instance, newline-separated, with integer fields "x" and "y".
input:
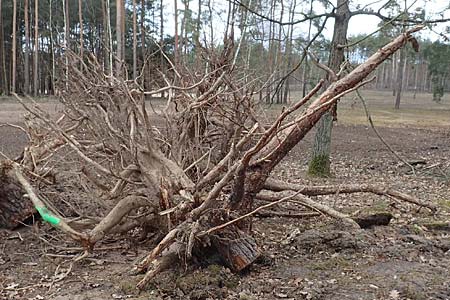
{"x": 418, "y": 112}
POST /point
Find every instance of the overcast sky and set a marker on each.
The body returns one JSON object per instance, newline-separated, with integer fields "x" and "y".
{"x": 358, "y": 24}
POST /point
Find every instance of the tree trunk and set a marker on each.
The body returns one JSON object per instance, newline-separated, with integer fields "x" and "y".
{"x": 393, "y": 73}
{"x": 143, "y": 45}
{"x": 399, "y": 81}
{"x": 26, "y": 72}
{"x": 3, "y": 75}
{"x": 119, "y": 37}
{"x": 176, "y": 31}
{"x": 36, "y": 48}
{"x": 14, "y": 45}
{"x": 109, "y": 43}
{"x": 320, "y": 162}
{"x": 66, "y": 34}
{"x": 211, "y": 25}
{"x": 134, "y": 41}
{"x": 80, "y": 18}
{"x": 289, "y": 51}
{"x": 305, "y": 73}
{"x": 184, "y": 30}
{"x": 52, "y": 49}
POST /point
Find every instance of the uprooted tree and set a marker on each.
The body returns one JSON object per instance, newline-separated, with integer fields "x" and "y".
{"x": 190, "y": 170}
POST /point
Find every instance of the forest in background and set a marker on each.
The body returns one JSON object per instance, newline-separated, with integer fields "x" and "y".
{"x": 34, "y": 35}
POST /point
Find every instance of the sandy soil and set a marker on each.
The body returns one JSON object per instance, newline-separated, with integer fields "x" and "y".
{"x": 315, "y": 258}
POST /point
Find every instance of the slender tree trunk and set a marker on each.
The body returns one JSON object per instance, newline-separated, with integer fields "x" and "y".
{"x": 161, "y": 40}
{"x": 306, "y": 69}
{"x": 289, "y": 50}
{"x": 26, "y": 72}
{"x": 184, "y": 31}
{"x": 406, "y": 73}
{"x": 134, "y": 41}
{"x": 52, "y": 47}
{"x": 395, "y": 64}
{"x": 320, "y": 162}
{"x": 119, "y": 37}
{"x": 36, "y": 48}
{"x": 211, "y": 25}
{"x": 176, "y": 31}
{"x": 14, "y": 45}
{"x": 109, "y": 36}
{"x": 41, "y": 72}
{"x": 66, "y": 34}
{"x": 80, "y": 18}
{"x": 278, "y": 53}
{"x": 399, "y": 81}
{"x": 416, "y": 78}
{"x": 143, "y": 41}
{"x": 3, "y": 75}
{"x": 199, "y": 23}
{"x": 271, "y": 47}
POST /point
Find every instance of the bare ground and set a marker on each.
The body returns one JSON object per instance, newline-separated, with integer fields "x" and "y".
{"x": 315, "y": 258}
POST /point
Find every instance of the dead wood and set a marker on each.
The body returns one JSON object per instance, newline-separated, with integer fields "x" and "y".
{"x": 278, "y": 186}
{"x": 194, "y": 177}
{"x": 305, "y": 201}
{"x": 14, "y": 207}
{"x": 277, "y": 214}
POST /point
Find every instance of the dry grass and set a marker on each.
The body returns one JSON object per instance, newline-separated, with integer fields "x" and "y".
{"x": 419, "y": 112}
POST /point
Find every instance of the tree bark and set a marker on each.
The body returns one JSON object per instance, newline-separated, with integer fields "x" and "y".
{"x": 14, "y": 45}
{"x": 26, "y": 72}
{"x": 176, "y": 32}
{"x": 320, "y": 162}
{"x": 109, "y": 43}
{"x": 134, "y": 41}
{"x": 80, "y": 19}
{"x": 3, "y": 75}
{"x": 52, "y": 49}
{"x": 14, "y": 208}
{"x": 258, "y": 172}
{"x": 36, "y": 48}
{"x": 143, "y": 44}
{"x": 399, "y": 80}
{"x": 119, "y": 37}
{"x": 66, "y": 35}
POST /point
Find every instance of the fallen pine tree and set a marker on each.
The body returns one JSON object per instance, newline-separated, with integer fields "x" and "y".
{"x": 191, "y": 169}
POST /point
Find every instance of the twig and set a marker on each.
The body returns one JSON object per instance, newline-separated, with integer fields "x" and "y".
{"x": 310, "y": 203}
{"x": 369, "y": 118}
{"x": 221, "y": 226}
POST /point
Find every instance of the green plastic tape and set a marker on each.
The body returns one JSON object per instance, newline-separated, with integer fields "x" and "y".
{"x": 47, "y": 216}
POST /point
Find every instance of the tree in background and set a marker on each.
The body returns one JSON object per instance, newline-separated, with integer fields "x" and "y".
{"x": 320, "y": 162}
{"x": 438, "y": 53}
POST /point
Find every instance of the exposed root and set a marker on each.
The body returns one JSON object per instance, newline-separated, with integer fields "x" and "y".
{"x": 116, "y": 215}
{"x": 312, "y": 204}
{"x": 278, "y": 186}
{"x": 168, "y": 258}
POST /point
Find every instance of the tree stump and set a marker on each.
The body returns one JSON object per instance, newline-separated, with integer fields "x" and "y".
{"x": 237, "y": 249}
{"x": 14, "y": 208}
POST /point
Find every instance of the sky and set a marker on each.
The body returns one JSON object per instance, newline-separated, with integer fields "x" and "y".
{"x": 362, "y": 24}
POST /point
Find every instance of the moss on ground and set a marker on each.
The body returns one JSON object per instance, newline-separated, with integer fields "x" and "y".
{"x": 319, "y": 166}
